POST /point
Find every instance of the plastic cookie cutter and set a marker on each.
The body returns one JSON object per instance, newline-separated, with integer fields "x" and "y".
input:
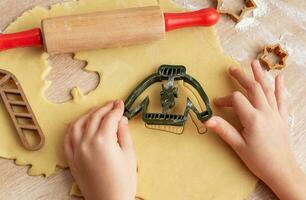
{"x": 20, "y": 112}
{"x": 274, "y": 50}
{"x": 237, "y": 17}
{"x": 168, "y": 94}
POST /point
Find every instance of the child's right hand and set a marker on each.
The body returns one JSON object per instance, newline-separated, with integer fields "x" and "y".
{"x": 100, "y": 154}
{"x": 263, "y": 143}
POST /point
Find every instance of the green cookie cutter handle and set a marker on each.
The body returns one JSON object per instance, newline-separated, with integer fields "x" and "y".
{"x": 164, "y": 72}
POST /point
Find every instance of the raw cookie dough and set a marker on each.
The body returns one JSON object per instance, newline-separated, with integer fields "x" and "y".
{"x": 189, "y": 166}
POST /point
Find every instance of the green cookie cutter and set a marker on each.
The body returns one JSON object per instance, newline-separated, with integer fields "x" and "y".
{"x": 171, "y": 73}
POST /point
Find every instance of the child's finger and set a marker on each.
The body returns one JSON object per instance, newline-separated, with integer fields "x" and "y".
{"x": 255, "y": 93}
{"x": 68, "y": 148}
{"x": 280, "y": 94}
{"x": 77, "y": 128}
{"x": 109, "y": 125}
{"x": 124, "y": 136}
{"x": 242, "y": 107}
{"x": 227, "y": 132}
{"x": 260, "y": 78}
{"x": 95, "y": 119}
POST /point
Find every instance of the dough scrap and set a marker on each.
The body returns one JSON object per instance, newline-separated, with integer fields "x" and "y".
{"x": 66, "y": 69}
{"x": 188, "y": 166}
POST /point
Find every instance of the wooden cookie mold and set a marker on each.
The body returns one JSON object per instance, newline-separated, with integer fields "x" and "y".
{"x": 19, "y": 110}
{"x": 249, "y": 5}
{"x": 278, "y": 51}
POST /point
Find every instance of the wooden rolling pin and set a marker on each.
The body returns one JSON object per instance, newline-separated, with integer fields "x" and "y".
{"x": 106, "y": 29}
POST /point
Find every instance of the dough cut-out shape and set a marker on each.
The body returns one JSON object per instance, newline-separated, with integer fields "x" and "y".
{"x": 66, "y": 69}
{"x": 274, "y": 50}
{"x": 237, "y": 17}
{"x": 191, "y": 166}
{"x": 20, "y": 112}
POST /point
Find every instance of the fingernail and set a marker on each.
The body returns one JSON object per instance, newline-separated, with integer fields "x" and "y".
{"x": 281, "y": 78}
{"x": 117, "y": 102}
{"x": 215, "y": 100}
{"x": 211, "y": 123}
{"x": 125, "y": 120}
{"x": 283, "y": 81}
{"x": 232, "y": 69}
{"x": 257, "y": 62}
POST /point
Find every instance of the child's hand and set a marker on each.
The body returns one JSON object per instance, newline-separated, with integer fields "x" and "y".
{"x": 263, "y": 143}
{"x": 100, "y": 154}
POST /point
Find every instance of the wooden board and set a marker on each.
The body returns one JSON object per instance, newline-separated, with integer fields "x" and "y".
{"x": 285, "y": 22}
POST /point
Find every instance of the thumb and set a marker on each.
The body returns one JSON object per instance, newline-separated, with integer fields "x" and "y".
{"x": 124, "y": 136}
{"x": 226, "y": 131}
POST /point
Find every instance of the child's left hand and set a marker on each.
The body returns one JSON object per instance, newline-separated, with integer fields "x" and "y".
{"x": 101, "y": 156}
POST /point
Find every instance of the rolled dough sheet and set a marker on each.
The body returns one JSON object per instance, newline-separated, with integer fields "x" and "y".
{"x": 187, "y": 166}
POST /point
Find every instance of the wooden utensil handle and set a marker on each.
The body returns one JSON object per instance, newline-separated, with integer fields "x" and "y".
{"x": 106, "y": 29}
{"x": 23, "y": 118}
{"x": 103, "y": 29}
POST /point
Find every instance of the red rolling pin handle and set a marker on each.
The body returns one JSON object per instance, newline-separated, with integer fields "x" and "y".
{"x": 203, "y": 17}
{"x": 29, "y": 38}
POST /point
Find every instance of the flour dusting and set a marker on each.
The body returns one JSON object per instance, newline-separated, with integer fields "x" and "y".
{"x": 193, "y": 4}
{"x": 291, "y": 120}
{"x": 240, "y": 55}
{"x": 187, "y": 5}
{"x": 246, "y": 23}
{"x": 296, "y": 48}
{"x": 297, "y": 14}
{"x": 262, "y": 8}
{"x": 266, "y": 35}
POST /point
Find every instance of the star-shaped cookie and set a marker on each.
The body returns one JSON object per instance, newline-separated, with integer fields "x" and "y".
{"x": 279, "y": 52}
{"x": 237, "y": 17}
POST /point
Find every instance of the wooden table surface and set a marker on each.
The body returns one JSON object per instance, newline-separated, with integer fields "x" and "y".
{"x": 284, "y": 22}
